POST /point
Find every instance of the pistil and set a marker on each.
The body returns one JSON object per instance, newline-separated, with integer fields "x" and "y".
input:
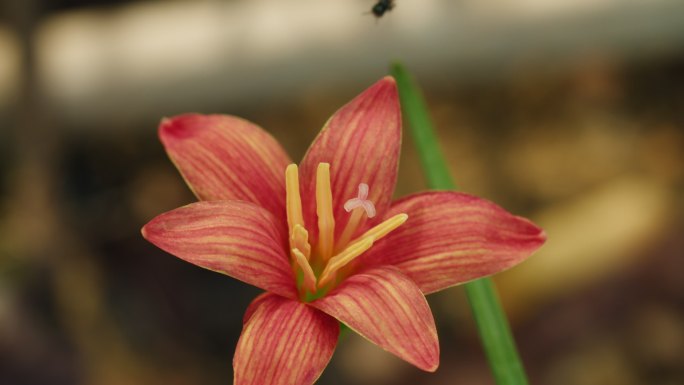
{"x": 353, "y": 205}
{"x": 352, "y": 224}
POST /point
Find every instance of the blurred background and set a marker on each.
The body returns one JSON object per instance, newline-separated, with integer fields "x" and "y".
{"x": 567, "y": 112}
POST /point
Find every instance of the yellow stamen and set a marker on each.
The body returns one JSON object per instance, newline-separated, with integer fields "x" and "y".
{"x": 299, "y": 239}
{"x": 385, "y": 227}
{"x": 293, "y": 200}
{"x": 326, "y": 221}
{"x": 359, "y": 247}
{"x": 354, "y": 220}
{"x": 309, "y": 276}
{"x": 343, "y": 258}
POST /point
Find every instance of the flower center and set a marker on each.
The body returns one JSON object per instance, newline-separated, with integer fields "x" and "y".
{"x": 320, "y": 269}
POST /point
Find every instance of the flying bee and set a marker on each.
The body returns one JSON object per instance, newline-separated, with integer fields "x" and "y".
{"x": 381, "y": 7}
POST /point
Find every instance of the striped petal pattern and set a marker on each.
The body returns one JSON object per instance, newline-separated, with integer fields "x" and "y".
{"x": 361, "y": 142}
{"x": 387, "y": 308}
{"x": 285, "y": 342}
{"x": 223, "y": 157}
{"x": 235, "y": 238}
{"x": 451, "y": 238}
{"x": 254, "y": 305}
{"x": 240, "y": 228}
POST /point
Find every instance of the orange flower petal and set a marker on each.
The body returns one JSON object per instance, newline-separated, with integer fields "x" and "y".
{"x": 227, "y": 158}
{"x": 361, "y": 142}
{"x": 451, "y": 238}
{"x": 284, "y": 342}
{"x": 387, "y": 308}
{"x": 235, "y": 238}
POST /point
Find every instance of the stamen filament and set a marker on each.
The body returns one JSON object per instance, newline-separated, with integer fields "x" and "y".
{"x": 309, "y": 276}
{"x": 326, "y": 220}
{"x": 343, "y": 258}
{"x": 299, "y": 239}
{"x": 385, "y": 227}
{"x": 293, "y": 200}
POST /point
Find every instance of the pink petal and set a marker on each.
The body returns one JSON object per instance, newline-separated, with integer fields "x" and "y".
{"x": 227, "y": 158}
{"x": 284, "y": 342}
{"x": 254, "y": 305}
{"x": 451, "y": 238}
{"x": 361, "y": 142}
{"x": 235, "y": 238}
{"x": 387, "y": 308}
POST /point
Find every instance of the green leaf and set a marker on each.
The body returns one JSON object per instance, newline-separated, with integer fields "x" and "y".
{"x": 491, "y": 321}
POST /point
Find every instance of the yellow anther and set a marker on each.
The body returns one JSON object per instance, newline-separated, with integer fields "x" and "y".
{"x": 343, "y": 258}
{"x": 299, "y": 239}
{"x": 359, "y": 247}
{"x": 324, "y": 209}
{"x": 309, "y": 276}
{"x": 293, "y": 200}
{"x": 385, "y": 227}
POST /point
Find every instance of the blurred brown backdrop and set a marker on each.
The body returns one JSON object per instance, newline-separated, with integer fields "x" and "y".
{"x": 570, "y": 113}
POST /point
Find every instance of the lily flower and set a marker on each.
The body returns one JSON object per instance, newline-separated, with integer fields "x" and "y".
{"x": 324, "y": 239}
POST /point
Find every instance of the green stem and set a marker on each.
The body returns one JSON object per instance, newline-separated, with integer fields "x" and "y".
{"x": 490, "y": 319}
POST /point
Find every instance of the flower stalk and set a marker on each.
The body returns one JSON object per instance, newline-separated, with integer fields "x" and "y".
{"x": 491, "y": 321}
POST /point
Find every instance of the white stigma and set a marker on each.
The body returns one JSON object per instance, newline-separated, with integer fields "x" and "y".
{"x": 361, "y": 201}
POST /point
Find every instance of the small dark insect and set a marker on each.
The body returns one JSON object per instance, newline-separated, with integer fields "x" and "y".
{"x": 381, "y": 7}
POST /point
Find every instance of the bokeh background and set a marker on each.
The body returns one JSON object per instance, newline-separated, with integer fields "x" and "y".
{"x": 568, "y": 112}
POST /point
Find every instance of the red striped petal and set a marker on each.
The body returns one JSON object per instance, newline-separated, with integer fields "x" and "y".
{"x": 235, "y": 238}
{"x": 361, "y": 141}
{"x": 254, "y": 305}
{"x": 227, "y": 158}
{"x": 451, "y": 238}
{"x": 284, "y": 342}
{"x": 387, "y": 308}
